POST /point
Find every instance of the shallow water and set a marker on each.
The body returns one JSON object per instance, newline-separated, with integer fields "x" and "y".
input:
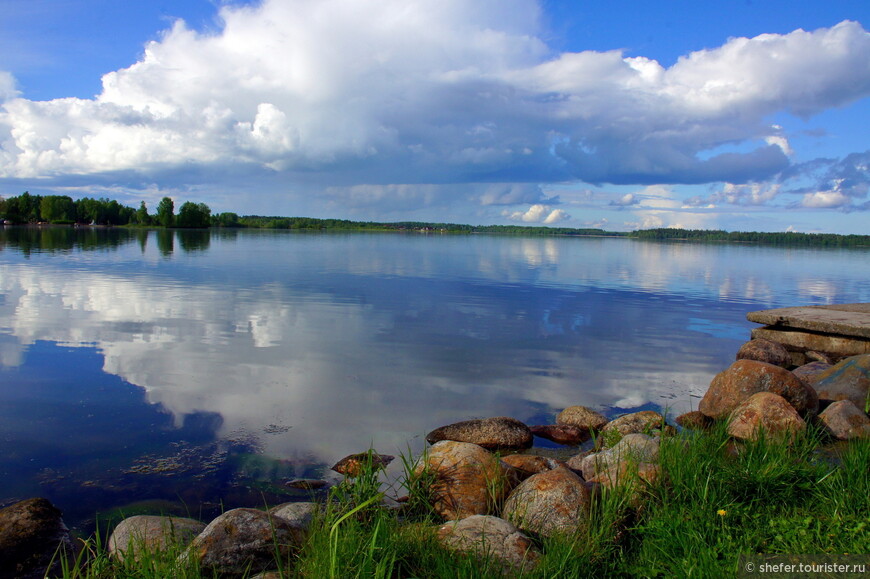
{"x": 205, "y": 369}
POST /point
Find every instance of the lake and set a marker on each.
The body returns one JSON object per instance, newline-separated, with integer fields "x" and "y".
{"x": 191, "y": 371}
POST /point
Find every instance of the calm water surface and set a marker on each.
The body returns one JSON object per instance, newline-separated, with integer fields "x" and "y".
{"x": 188, "y": 370}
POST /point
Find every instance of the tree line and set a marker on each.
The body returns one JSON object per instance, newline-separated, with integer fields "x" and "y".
{"x": 791, "y": 238}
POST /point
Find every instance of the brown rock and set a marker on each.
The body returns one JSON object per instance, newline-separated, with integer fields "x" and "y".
{"x": 633, "y": 447}
{"x": 847, "y": 380}
{"x": 550, "y": 503}
{"x": 845, "y": 421}
{"x": 31, "y": 532}
{"x": 355, "y": 464}
{"x": 809, "y": 373}
{"x": 499, "y": 433}
{"x": 694, "y": 420}
{"x": 768, "y": 412}
{"x": 147, "y": 534}
{"x": 566, "y": 434}
{"x": 819, "y": 357}
{"x": 469, "y": 480}
{"x": 747, "y": 377}
{"x": 492, "y": 538}
{"x": 582, "y": 417}
{"x": 765, "y": 351}
{"x": 306, "y": 484}
{"x": 643, "y": 422}
{"x": 528, "y": 464}
{"x": 243, "y": 541}
{"x": 628, "y": 473}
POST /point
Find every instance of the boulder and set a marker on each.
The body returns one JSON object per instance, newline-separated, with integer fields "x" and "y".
{"x": 550, "y": 503}
{"x": 845, "y": 421}
{"x": 809, "y": 373}
{"x": 644, "y": 422}
{"x": 306, "y": 484}
{"x": 147, "y": 534}
{"x": 694, "y": 420}
{"x": 768, "y": 412}
{"x": 846, "y": 380}
{"x": 492, "y": 538}
{"x": 525, "y": 465}
{"x": 243, "y": 541}
{"x": 763, "y": 350}
{"x": 566, "y": 434}
{"x": 627, "y": 472}
{"x": 297, "y": 515}
{"x": 33, "y": 538}
{"x": 499, "y": 433}
{"x": 747, "y": 377}
{"x": 468, "y": 479}
{"x": 355, "y": 464}
{"x": 581, "y": 417}
{"x": 633, "y": 447}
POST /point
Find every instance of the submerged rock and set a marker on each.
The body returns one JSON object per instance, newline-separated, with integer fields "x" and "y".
{"x": 496, "y": 433}
{"x": 468, "y": 479}
{"x": 768, "y": 412}
{"x": 492, "y": 538}
{"x": 566, "y": 434}
{"x": 763, "y": 350}
{"x": 581, "y": 417}
{"x": 355, "y": 464}
{"x": 143, "y": 534}
{"x": 846, "y": 380}
{"x": 747, "y": 377}
{"x": 845, "y": 421}
{"x": 550, "y": 503}
{"x": 33, "y": 539}
{"x": 306, "y": 484}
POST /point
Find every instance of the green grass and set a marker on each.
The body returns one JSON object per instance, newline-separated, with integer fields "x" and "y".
{"x": 716, "y": 501}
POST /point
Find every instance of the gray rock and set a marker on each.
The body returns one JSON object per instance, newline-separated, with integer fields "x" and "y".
{"x": 768, "y": 412}
{"x": 498, "y": 433}
{"x": 847, "y": 380}
{"x": 582, "y": 417}
{"x": 32, "y": 532}
{"x": 633, "y": 447}
{"x": 643, "y": 422}
{"x": 297, "y": 515}
{"x": 243, "y": 541}
{"x": 550, "y": 503}
{"x": 141, "y": 534}
{"x": 492, "y": 538}
{"x": 763, "y": 350}
{"x": 845, "y": 421}
{"x": 810, "y": 373}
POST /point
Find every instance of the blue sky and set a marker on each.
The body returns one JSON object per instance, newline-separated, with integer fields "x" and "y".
{"x": 742, "y": 115}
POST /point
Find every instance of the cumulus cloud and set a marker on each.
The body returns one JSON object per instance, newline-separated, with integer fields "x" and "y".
{"x": 8, "y": 88}
{"x": 542, "y": 214}
{"x": 400, "y": 94}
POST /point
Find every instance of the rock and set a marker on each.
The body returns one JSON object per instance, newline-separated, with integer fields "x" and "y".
{"x": 499, "y": 433}
{"x": 306, "y": 484}
{"x": 582, "y": 417}
{"x": 763, "y": 350}
{"x": 845, "y": 421}
{"x": 627, "y": 472}
{"x": 566, "y": 434}
{"x": 144, "y": 534}
{"x": 637, "y": 422}
{"x": 469, "y": 480}
{"x": 550, "y": 503}
{"x": 819, "y": 357}
{"x": 32, "y": 533}
{"x": 747, "y": 377}
{"x": 847, "y": 380}
{"x": 575, "y": 462}
{"x": 768, "y": 411}
{"x": 528, "y": 464}
{"x": 492, "y": 538}
{"x": 694, "y": 420}
{"x": 633, "y": 447}
{"x": 809, "y": 373}
{"x": 243, "y": 541}
{"x": 355, "y": 464}
{"x": 297, "y": 515}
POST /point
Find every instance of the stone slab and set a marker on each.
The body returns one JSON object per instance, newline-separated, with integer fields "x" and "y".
{"x": 804, "y": 341}
{"x": 847, "y": 320}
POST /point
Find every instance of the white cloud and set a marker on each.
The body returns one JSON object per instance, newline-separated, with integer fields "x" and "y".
{"x": 538, "y": 214}
{"x": 403, "y": 94}
{"x": 8, "y": 89}
{"x": 825, "y": 199}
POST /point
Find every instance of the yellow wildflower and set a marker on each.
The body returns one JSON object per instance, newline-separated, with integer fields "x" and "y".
{"x": 721, "y": 512}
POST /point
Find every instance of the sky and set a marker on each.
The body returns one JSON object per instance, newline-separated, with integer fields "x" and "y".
{"x": 744, "y": 115}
